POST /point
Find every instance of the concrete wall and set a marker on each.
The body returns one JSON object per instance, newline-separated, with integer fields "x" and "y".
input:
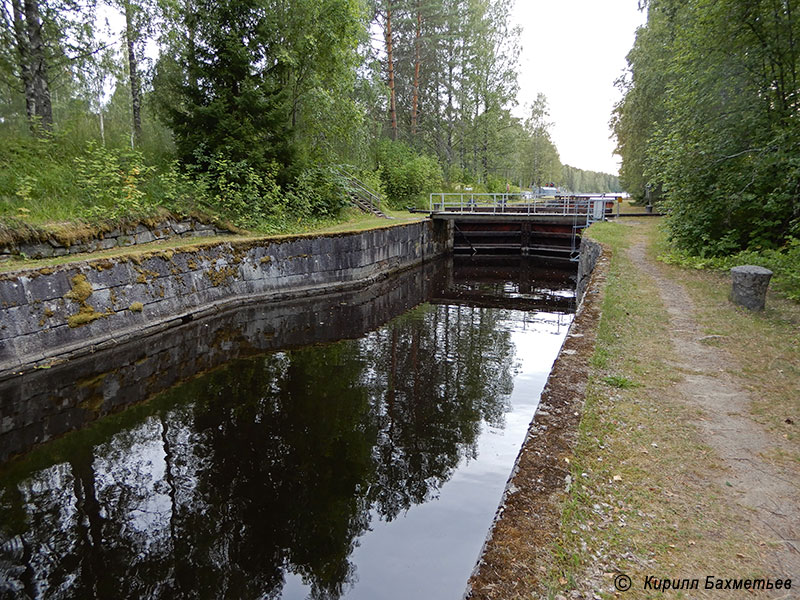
{"x": 43, "y": 404}
{"x": 77, "y": 308}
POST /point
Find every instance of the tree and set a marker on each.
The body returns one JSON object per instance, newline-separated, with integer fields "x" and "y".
{"x": 710, "y": 118}
{"x": 32, "y": 61}
{"x": 540, "y": 159}
{"x": 134, "y": 23}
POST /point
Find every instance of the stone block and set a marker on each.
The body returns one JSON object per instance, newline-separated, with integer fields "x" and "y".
{"x": 12, "y": 293}
{"x": 198, "y": 226}
{"x": 181, "y": 227}
{"x": 47, "y": 287}
{"x": 156, "y": 264}
{"x": 749, "y": 286}
{"x": 41, "y": 250}
{"x": 119, "y": 274}
{"x": 144, "y": 237}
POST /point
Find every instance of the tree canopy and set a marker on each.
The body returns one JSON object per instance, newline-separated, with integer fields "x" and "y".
{"x": 247, "y": 108}
{"x": 710, "y": 121}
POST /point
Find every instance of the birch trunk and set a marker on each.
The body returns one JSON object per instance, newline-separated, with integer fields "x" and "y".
{"x": 133, "y": 69}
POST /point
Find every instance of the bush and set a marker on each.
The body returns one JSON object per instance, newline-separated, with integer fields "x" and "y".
{"x": 317, "y": 192}
{"x": 407, "y": 177}
{"x": 784, "y": 263}
{"x": 111, "y": 181}
{"x": 244, "y": 196}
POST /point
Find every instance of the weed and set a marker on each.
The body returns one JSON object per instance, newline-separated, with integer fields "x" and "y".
{"x": 620, "y": 382}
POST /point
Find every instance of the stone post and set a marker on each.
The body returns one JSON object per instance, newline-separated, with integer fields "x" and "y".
{"x": 749, "y": 286}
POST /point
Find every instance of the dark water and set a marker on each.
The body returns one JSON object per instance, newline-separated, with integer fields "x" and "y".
{"x": 348, "y": 446}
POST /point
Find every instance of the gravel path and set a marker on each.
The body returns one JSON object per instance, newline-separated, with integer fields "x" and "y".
{"x": 768, "y": 493}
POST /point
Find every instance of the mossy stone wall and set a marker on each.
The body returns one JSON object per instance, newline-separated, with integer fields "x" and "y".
{"x": 69, "y": 310}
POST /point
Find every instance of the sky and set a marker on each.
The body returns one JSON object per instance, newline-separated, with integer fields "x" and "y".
{"x": 572, "y": 51}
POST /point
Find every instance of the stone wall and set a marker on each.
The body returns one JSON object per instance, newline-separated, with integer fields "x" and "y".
{"x": 70, "y": 310}
{"x": 131, "y": 235}
{"x": 43, "y": 404}
{"x": 590, "y": 252}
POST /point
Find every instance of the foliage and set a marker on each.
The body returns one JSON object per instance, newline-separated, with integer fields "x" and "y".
{"x": 406, "y": 175}
{"x": 581, "y": 181}
{"x": 318, "y": 191}
{"x": 48, "y": 179}
{"x": 783, "y": 262}
{"x": 111, "y": 181}
{"x": 241, "y": 193}
{"x": 274, "y": 99}
{"x": 246, "y": 103}
{"x": 711, "y": 121}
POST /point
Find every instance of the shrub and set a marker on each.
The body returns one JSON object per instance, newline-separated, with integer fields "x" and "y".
{"x": 317, "y": 192}
{"x": 407, "y": 176}
{"x": 111, "y": 181}
{"x": 246, "y": 197}
{"x": 784, "y": 263}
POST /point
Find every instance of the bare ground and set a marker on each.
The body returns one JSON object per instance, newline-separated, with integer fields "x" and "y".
{"x": 767, "y": 492}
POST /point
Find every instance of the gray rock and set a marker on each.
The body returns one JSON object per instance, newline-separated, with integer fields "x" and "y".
{"x": 44, "y": 250}
{"x": 182, "y": 227}
{"x": 144, "y": 237}
{"x": 749, "y": 286}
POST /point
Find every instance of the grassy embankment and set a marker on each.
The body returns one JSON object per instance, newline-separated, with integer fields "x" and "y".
{"x": 644, "y": 501}
{"x": 62, "y": 187}
{"x": 349, "y": 220}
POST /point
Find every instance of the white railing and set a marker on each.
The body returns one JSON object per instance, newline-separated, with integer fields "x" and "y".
{"x": 594, "y": 207}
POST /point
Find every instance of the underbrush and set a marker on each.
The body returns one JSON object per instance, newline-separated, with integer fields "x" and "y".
{"x": 52, "y": 187}
{"x": 784, "y": 263}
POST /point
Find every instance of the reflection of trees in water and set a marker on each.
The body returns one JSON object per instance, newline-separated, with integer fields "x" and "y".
{"x": 267, "y": 466}
{"x": 437, "y": 373}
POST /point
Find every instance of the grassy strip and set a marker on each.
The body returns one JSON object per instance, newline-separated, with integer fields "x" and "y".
{"x": 765, "y": 346}
{"x": 351, "y": 220}
{"x": 641, "y": 502}
{"x": 784, "y": 263}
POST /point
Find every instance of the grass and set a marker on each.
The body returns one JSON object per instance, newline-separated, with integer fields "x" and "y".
{"x": 642, "y": 502}
{"x": 783, "y": 262}
{"x": 350, "y": 220}
{"x": 359, "y": 221}
{"x": 765, "y": 347}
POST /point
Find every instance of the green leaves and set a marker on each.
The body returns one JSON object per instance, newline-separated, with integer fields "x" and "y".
{"x": 406, "y": 175}
{"x": 710, "y": 119}
{"x": 111, "y": 180}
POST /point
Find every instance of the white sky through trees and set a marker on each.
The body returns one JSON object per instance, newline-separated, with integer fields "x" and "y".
{"x": 572, "y": 51}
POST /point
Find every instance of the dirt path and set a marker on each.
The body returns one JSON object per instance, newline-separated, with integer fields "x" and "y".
{"x": 769, "y": 493}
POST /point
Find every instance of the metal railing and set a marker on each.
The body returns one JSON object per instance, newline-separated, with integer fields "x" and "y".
{"x": 594, "y": 207}
{"x": 362, "y": 195}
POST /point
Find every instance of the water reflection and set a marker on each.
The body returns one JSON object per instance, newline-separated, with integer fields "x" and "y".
{"x": 267, "y": 469}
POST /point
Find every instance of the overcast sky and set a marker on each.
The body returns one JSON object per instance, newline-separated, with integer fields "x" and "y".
{"x": 572, "y": 51}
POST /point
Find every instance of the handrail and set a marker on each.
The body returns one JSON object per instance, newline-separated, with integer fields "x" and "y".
{"x": 363, "y": 193}
{"x": 595, "y": 207}
{"x": 356, "y": 182}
